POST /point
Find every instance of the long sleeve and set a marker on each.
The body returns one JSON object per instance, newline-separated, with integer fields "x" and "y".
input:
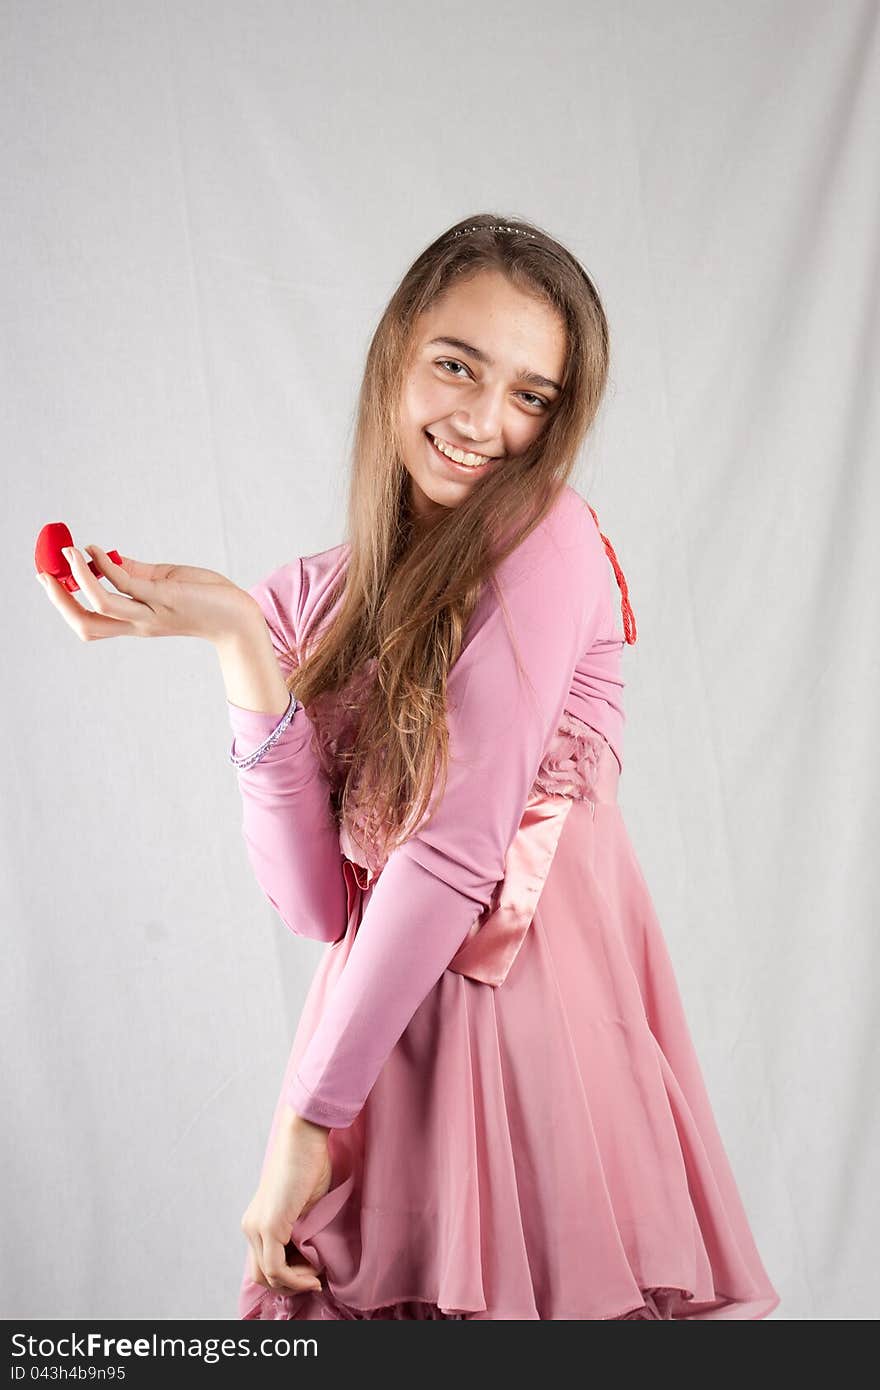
{"x": 291, "y": 836}
{"x": 435, "y": 885}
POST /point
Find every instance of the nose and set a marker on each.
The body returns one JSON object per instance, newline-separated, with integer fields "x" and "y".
{"x": 479, "y": 421}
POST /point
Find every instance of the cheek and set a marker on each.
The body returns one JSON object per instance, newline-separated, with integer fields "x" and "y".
{"x": 411, "y": 405}
{"x": 527, "y": 431}
{"x": 425, "y": 400}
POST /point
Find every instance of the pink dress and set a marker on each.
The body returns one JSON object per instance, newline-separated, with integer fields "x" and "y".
{"x": 519, "y": 1127}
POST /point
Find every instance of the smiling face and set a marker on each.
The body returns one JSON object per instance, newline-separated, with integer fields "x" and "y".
{"x": 483, "y": 380}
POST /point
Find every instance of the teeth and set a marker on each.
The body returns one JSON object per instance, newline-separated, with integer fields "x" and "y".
{"x": 470, "y": 460}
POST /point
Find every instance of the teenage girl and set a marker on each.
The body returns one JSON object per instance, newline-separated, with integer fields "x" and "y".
{"x": 492, "y": 1108}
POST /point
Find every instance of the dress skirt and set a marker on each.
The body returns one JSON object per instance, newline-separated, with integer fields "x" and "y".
{"x": 543, "y": 1149}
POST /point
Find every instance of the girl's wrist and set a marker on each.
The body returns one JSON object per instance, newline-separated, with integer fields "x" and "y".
{"x": 250, "y": 668}
{"x": 246, "y": 625}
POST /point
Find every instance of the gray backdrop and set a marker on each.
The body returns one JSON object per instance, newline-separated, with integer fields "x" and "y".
{"x": 205, "y": 207}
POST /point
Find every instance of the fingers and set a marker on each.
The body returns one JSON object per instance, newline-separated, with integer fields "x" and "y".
{"x": 297, "y": 1276}
{"x": 268, "y": 1265}
{"x": 89, "y": 626}
{"x": 123, "y": 577}
{"x": 87, "y": 581}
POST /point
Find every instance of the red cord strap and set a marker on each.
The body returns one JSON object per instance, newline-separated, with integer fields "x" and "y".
{"x": 629, "y": 620}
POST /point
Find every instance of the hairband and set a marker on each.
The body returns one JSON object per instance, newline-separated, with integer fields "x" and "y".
{"x": 492, "y": 227}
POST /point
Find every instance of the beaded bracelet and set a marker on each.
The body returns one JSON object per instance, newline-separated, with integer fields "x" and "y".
{"x": 257, "y": 754}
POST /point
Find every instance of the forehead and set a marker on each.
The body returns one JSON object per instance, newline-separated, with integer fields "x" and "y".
{"x": 514, "y": 328}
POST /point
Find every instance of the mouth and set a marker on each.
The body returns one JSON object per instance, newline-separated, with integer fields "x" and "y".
{"x": 457, "y": 459}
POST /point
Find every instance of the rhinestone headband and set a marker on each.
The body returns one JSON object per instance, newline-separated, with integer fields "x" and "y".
{"x": 493, "y": 227}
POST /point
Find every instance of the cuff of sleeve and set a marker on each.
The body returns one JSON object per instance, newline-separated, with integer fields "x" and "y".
{"x": 251, "y": 728}
{"x": 320, "y": 1112}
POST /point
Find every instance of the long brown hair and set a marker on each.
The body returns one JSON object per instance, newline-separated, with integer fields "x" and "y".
{"x": 405, "y": 595}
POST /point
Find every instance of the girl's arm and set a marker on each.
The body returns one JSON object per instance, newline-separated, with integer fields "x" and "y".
{"x": 435, "y": 885}
{"x": 291, "y": 837}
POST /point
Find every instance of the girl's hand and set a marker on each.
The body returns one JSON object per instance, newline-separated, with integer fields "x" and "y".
{"x": 150, "y": 600}
{"x": 297, "y": 1173}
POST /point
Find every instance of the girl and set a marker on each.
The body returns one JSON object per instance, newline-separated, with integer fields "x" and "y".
{"x": 492, "y": 1108}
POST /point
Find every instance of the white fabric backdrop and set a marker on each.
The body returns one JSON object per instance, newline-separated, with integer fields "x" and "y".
{"x": 205, "y": 207}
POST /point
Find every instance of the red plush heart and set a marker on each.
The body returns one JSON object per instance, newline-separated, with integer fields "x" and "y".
{"x": 49, "y": 560}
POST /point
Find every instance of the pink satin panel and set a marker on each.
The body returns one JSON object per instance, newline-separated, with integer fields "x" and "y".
{"x": 492, "y": 945}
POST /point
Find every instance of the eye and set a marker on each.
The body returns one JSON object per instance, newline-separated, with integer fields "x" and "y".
{"x": 450, "y": 362}
{"x": 445, "y": 362}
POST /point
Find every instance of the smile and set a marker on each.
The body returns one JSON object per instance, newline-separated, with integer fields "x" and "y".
{"x": 459, "y": 456}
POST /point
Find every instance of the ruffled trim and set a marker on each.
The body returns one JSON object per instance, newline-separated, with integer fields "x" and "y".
{"x": 335, "y": 716}
{"x": 276, "y": 1305}
{"x": 665, "y": 1304}
{"x": 569, "y": 767}
{"x": 571, "y": 764}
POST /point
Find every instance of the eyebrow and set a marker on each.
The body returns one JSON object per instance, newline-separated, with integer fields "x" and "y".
{"x": 534, "y": 378}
